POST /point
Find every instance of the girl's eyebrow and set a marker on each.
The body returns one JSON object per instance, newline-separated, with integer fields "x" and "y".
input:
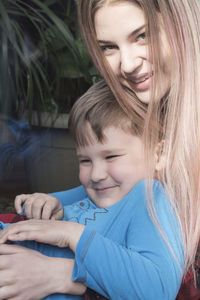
{"x": 134, "y": 32}
{"x": 104, "y": 42}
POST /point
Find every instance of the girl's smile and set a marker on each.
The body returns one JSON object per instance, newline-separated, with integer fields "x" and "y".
{"x": 140, "y": 83}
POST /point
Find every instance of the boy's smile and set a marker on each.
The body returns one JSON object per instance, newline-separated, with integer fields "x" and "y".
{"x": 110, "y": 169}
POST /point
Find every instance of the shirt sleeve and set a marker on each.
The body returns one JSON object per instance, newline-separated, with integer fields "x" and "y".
{"x": 70, "y": 196}
{"x": 145, "y": 268}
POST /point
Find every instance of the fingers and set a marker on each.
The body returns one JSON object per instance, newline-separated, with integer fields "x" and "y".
{"x": 11, "y": 249}
{"x": 58, "y": 215}
{"x": 22, "y": 272}
{"x": 6, "y": 292}
{"x": 37, "y": 230}
{"x": 14, "y": 229}
{"x": 33, "y": 204}
{"x": 45, "y": 231}
{"x": 48, "y": 208}
{"x": 19, "y": 200}
{"x": 39, "y": 206}
{"x": 53, "y": 211}
{"x": 33, "y": 207}
{"x": 24, "y": 236}
{"x": 6, "y": 231}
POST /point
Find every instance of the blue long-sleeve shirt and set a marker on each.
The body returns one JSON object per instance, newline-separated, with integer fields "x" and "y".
{"x": 121, "y": 254}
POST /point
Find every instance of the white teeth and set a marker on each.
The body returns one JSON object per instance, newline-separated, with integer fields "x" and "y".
{"x": 142, "y": 79}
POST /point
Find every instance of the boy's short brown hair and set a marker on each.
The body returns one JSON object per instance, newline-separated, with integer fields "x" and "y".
{"x": 98, "y": 108}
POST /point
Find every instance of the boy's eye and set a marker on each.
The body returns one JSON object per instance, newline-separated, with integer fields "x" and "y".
{"x": 111, "y": 156}
{"x": 84, "y": 161}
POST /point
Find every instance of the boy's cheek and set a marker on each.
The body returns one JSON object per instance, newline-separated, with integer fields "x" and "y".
{"x": 83, "y": 175}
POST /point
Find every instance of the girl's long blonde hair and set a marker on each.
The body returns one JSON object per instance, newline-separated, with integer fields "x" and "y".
{"x": 178, "y": 113}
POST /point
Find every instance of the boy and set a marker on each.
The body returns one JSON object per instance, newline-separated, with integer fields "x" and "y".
{"x": 112, "y": 205}
{"x": 105, "y": 138}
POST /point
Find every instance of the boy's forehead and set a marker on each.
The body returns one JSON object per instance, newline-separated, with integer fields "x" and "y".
{"x": 109, "y": 136}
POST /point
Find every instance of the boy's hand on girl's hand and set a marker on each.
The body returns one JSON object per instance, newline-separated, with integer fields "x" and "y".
{"x": 45, "y": 231}
{"x": 39, "y": 206}
{"x": 57, "y": 233}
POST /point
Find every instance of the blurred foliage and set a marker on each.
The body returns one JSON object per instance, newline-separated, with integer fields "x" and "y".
{"x": 44, "y": 64}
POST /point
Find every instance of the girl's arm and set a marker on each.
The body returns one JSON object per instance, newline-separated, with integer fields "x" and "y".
{"x": 27, "y": 274}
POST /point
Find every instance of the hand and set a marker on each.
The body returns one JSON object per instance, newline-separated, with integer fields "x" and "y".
{"x": 57, "y": 233}
{"x": 39, "y": 206}
{"x": 27, "y": 274}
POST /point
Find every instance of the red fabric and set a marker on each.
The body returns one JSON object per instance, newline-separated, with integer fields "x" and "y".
{"x": 11, "y": 218}
{"x": 188, "y": 291}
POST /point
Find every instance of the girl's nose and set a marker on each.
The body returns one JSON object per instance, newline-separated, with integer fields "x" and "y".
{"x": 98, "y": 172}
{"x": 130, "y": 62}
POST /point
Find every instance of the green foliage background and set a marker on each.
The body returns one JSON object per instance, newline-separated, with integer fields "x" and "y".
{"x": 44, "y": 64}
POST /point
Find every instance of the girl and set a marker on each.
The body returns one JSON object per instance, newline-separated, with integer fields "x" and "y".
{"x": 151, "y": 47}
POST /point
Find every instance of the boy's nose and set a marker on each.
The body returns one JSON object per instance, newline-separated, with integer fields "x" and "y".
{"x": 98, "y": 172}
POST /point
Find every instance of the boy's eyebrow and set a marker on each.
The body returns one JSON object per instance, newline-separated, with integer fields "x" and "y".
{"x": 104, "y": 152}
{"x": 134, "y": 32}
{"x": 108, "y": 151}
{"x": 80, "y": 155}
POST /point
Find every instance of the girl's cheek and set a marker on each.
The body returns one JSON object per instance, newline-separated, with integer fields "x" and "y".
{"x": 114, "y": 63}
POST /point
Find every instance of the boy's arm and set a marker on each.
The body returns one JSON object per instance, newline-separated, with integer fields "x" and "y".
{"x": 47, "y": 206}
{"x": 70, "y": 196}
{"x": 144, "y": 268}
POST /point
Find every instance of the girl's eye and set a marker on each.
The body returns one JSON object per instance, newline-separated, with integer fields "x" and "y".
{"x": 142, "y": 37}
{"x": 107, "y": 48}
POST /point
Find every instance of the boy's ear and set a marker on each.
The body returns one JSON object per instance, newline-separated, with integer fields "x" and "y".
{"x": 160, "y": 158}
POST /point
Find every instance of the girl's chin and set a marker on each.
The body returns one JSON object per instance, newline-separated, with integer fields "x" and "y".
{"x": 146, "y": 97}
{"x": 143, "y": 96}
